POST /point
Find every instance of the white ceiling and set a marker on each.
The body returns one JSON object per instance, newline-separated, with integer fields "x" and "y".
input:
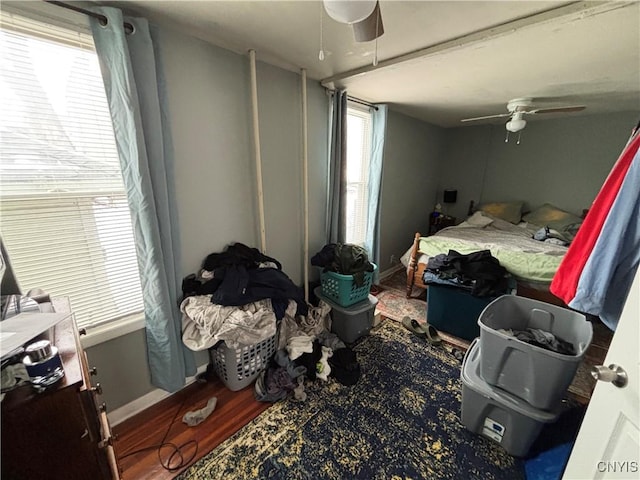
{"x": 470, "y": 57}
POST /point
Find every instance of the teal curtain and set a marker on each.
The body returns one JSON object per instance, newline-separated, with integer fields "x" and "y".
{"x": 146, "y": 156}
{"x": 372, "y": 239}
{"x": 337, "y": 185}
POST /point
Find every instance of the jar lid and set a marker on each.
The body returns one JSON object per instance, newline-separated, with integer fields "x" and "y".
{"x": 38, "y": 350}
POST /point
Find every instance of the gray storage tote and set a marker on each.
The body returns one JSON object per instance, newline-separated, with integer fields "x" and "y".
{"x": 539, "y": 376}
{"x": 495, "y": 414}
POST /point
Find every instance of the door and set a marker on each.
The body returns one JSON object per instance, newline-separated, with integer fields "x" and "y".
{"x": 608, "y": 444}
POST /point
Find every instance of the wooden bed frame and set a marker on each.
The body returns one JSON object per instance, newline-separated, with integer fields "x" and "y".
{"x": 415, "y": 271}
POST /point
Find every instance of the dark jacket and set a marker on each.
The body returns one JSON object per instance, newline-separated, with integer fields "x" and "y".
{"x": 479, "y": 270}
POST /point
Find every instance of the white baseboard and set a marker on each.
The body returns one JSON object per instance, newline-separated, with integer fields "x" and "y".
{"x": 130, "y": 409}
{"x": 390, "y": 271}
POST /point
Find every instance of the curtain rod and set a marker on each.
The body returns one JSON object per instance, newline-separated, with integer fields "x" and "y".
{"x": 128, "y": 28}
{"x": 361, "y": 102}
{"x": 355, "y": 99}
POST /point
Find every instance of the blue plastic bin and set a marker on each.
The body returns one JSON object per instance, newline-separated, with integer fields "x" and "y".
{"x": 455, "y": 311}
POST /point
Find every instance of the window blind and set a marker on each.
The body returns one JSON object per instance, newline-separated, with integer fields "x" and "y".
{"x": 358, "y": 160}
{"x": 64, "y": 216}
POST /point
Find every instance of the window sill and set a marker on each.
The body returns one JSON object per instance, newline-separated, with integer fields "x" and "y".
{"x": 104, "y": 333}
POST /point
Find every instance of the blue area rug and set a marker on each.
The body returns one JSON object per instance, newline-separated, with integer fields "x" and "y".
{"x": 401, "y": 420}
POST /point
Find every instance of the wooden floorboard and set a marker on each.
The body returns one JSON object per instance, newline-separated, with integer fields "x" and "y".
{"x": 232, "y": 412}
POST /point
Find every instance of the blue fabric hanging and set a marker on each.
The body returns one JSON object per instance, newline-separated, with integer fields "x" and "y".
{"x": 146, "y": 157}
{"x": 372, "y": 238}
{"x": 337, "y": 186}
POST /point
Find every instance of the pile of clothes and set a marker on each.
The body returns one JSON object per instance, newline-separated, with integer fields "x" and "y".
{"x": 238, "y": 296}
{"x": 345, "y": 259}
{"x": 543, "y": 339}
{"x": 242, "y": 297}
{"x": 548, "y": 235}
{"x": 306, "y": 357}
{"x": 479, "y": 272}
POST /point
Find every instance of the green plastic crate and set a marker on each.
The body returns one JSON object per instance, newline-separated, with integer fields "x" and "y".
{"x": 342, "y": 288}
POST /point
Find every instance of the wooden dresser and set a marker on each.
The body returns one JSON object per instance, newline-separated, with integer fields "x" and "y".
{"x": 62, "y": 433}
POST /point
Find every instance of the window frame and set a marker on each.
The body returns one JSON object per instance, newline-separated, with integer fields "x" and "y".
{"x": 361, "y": 185}
{"x": 52, "y": 24}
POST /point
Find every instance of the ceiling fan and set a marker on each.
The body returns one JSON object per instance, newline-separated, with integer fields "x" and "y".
{"x": 363, "y": 15}
{"x": 519, "y": 108}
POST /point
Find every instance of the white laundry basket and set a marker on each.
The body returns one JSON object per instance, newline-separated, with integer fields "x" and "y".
{"x": 238, "y": 368}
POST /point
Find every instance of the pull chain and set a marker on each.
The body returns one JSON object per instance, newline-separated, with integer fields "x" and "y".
{"x": 519, "y": 134}
{"x": 506, "y": 140}
{"x": 375, "y": 54}
{"x": 321, "y": 54}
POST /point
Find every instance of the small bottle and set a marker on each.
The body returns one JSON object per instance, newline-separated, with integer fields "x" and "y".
{"x": 43, "y": 364}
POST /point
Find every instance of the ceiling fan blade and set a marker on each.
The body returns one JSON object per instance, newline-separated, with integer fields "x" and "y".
{"x": 500, "y": 115}
{"x": 370, "y": 28}
{"x": 573, "y": 108}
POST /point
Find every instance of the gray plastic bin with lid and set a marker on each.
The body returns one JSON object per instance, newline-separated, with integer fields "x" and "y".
{"x": 350, "y": 323}
{"x": 496, "y": 414}
{"x": 539, "y": 376}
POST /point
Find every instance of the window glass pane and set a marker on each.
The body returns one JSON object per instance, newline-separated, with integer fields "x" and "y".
{"x": 358, "y": 158}
{"x": 64, "y": 217}
{"x": 355, "y": 145}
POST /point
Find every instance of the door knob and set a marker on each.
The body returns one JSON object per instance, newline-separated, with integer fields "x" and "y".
{"x": 613, "y": 373}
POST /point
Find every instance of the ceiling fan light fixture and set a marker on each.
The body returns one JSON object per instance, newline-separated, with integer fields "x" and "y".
{"x": 370, "y": 28}
{"x": 516, "y": 124}
{"x": 349, "y": 11}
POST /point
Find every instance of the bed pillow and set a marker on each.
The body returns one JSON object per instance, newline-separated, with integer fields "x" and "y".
{"x": 509, "y": 211}
{"x": 478, "y": 219}
{"x": 549, "y": 216}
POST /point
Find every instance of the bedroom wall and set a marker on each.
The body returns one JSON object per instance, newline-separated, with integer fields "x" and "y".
{"x": 464, "y": 161}
{"x": 562, "y": 161}
{"x": 410, "y": 177}
{"x": 210, "y": 113}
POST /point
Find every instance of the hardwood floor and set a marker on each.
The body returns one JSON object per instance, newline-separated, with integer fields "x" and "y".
{"x": 147, "y": 429}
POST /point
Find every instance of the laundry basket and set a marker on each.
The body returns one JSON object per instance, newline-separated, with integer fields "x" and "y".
{"x": 343, "y": 290}
{"x": 237, "y": 368}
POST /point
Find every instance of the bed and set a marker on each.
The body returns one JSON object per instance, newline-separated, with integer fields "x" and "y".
{"x": 533, "y": 263}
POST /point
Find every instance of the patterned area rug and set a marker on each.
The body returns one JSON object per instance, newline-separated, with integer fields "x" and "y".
{"x": 394, "y": 304}
{"x": 401, "y": 420}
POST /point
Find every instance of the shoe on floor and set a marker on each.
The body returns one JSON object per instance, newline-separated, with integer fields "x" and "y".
{"x": 414, "y": 326}
{"x": 432, "y": 335}
{"x": 424, "y": 330}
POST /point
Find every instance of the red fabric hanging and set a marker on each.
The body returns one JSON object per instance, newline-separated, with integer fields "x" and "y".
{"x": 565, "y": 281}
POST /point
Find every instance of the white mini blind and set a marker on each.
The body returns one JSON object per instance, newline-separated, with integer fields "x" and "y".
{"x": 358, "y": 161}
{"x": 64, "y": 216}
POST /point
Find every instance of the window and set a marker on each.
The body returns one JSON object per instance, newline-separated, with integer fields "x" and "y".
{"x": 64, "y": 216}
{"x": 358, "y": 159}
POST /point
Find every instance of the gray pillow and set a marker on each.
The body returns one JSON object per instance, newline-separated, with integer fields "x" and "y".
{"x": 509, "y": 211}
{"x": 549, "y": 216}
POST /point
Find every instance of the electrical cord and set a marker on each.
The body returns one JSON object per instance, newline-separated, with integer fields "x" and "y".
{"x": 176, "y": 449}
